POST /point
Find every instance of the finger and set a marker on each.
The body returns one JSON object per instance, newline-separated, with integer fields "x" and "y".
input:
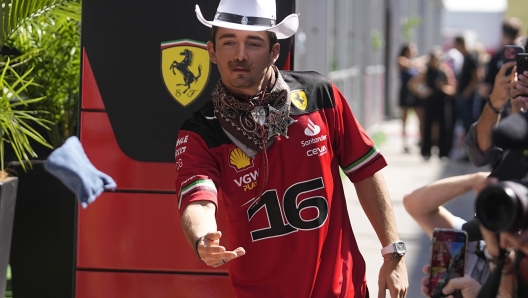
{"x": 213, "y": 249}
{"x": 504, "y": 67}
{"x": 453, "y": 284}
{"x": 513, "y": 74}
{"x": 382, "y": 289}
{"x": 425, "y": 281}
{"x": 426, "y": 269}
{"x": 521, "y": 88}
{"x": 424, "y": 291}
{"x": 240, "y": 251}
{"x": 425, "y": 286}
{"x": 381, "y": 293}
{"x": 213, "y": 236}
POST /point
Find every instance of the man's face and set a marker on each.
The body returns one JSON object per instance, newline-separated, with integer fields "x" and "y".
{"x": 243, "y": 59}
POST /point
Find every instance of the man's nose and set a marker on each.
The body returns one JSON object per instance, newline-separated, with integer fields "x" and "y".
{"x": 241, "y": 54}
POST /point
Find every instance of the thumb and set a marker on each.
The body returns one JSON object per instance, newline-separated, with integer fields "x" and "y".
{"x": 214, "y": 236}
{"x": 453, "y": 284}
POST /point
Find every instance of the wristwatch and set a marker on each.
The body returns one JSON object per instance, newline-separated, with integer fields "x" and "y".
{"x": 397, "y": 247}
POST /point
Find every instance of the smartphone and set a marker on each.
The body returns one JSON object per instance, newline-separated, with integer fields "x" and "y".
{"x": 448, "y": 259}
{"x": 509, "y": 53}
{"x": 522, "y": 65}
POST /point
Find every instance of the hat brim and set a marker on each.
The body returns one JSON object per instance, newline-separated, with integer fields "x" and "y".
{"x": 283, "y": 30}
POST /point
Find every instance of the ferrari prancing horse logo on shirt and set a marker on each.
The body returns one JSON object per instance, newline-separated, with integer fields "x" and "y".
{"x": 185, "y": 67}
{"x": 299, "y": 99}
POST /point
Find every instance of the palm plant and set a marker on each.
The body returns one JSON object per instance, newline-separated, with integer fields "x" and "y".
{"x": 48, "y": 77}
{"x": 57, "y": 68}
{"x": 15, "y": 122}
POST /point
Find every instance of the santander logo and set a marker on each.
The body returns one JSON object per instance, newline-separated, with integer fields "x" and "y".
{"x": 312, "y": 129}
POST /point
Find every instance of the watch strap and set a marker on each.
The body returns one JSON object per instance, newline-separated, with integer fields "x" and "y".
{"x": 389, "y": 249}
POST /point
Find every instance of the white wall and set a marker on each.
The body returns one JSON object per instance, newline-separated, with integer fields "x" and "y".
{"x": 485, "y": 25}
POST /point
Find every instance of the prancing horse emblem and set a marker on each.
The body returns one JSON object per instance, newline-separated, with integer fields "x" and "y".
{"x": 186, "y": 68}
{"x": 183, "y": 67}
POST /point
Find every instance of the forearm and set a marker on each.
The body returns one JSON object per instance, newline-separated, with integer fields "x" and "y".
{"x": 485, "y": 125}
{"x": 375, "y": 201}
{"x": 427, "y": 199}
{"x": 425, "y": 204}
{"x": 198, "y": 219}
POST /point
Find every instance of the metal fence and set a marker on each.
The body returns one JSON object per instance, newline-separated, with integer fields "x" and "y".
{"x": 367, "y": 84}
{"x": 356, "y": 42}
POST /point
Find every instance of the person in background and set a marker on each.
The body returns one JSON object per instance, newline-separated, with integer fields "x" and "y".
{"x": 434, "y": 85}
{"x": 467, "y": 82}
{"x": 511, "y": 30}
{"x": 506, "y": 91}
{"x": 409, "y": 67}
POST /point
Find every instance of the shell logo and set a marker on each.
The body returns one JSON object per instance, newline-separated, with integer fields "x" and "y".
{"x": 239, "y": 160}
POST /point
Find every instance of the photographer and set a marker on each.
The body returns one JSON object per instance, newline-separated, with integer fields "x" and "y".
{"x": 501, "y": 209}
{"x": 481, "y": 150}
{"x": 482, "y": 255}
{"x": 425, "y": 206}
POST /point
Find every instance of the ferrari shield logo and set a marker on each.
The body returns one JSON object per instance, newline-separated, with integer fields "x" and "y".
{"x": 185, "y": 68}
{"x": 299, "y": 99}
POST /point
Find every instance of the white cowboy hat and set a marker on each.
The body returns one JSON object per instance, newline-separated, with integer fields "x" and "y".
{"x": 251, "y": 15}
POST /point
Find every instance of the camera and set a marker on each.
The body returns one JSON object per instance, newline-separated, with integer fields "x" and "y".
{"x": 504, "y": 205}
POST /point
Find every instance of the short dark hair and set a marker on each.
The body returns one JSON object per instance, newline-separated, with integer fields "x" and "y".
{"x": 404, "y": 49}
{"x": 511, "y": 27}
{"x": 271, "y": 36}
{"x": 460, "y": 40}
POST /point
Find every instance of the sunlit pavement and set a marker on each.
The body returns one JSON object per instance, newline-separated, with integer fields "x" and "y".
{"x": 405, "y": 172}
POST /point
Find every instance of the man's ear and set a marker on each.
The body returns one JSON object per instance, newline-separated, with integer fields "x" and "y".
{"x": 275, "y": 51}
{"x": 211, "y": 51}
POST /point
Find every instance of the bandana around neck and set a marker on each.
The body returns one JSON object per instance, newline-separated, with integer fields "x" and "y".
{"x": 243, "y": 116}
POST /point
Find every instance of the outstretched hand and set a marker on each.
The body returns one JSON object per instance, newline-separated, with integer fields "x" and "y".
{"x": 393, "y": 277}
{"x": 213, "y": 254}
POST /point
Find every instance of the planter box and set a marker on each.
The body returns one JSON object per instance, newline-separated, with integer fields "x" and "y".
{"x": 42, "y": 255}
{"x": 8, "y": 193}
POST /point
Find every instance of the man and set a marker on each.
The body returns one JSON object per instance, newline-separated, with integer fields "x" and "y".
{"x": 274, "y": 163}
{"x": 467, "y": 84}
{"x": 511, "y": 30}
{"x": 507, "y": 90}
{"x": 425, "y": 205}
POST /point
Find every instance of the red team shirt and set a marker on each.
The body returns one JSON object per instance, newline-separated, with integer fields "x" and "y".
{"x": 298, "y": 238}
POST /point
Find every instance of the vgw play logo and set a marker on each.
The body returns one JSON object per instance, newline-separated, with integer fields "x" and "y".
{"x": 185, "y": 67}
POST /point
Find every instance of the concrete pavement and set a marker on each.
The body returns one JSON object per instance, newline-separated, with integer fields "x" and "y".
{"x": 405, "y": 172}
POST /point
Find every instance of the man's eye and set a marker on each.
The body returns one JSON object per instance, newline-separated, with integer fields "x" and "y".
{"x": 254, "y": 45}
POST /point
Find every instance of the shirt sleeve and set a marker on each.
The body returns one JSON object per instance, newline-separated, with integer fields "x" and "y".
{"x": 358, "y": 156}
{"x": 476, "y": 156}
{"x": 197, "y": 173}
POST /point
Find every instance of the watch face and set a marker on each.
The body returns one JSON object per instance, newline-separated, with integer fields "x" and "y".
{"x": 400, "y": 248}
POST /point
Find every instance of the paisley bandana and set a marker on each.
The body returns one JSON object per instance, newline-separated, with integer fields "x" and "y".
{"x": 243, "y": 117}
